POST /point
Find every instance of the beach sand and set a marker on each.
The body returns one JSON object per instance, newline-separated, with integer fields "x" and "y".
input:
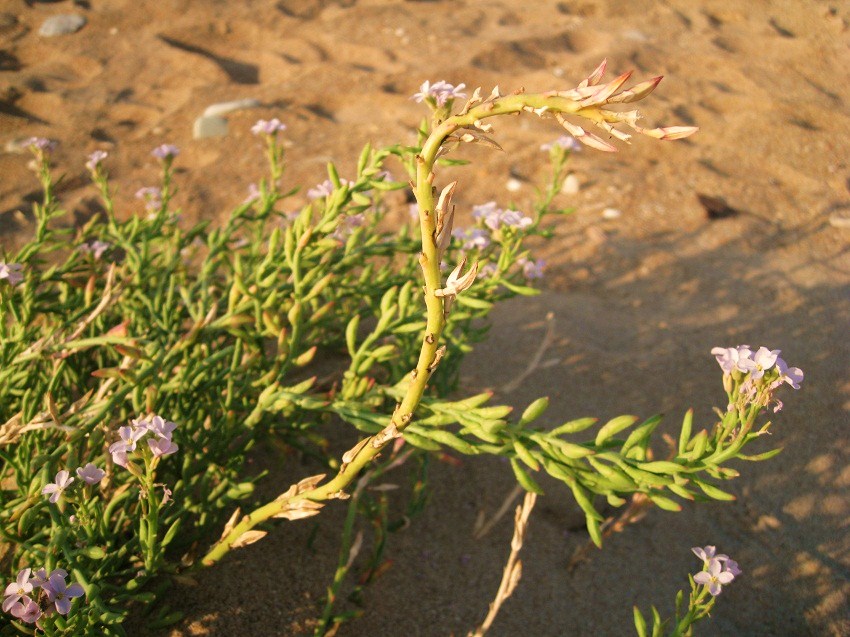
{"x": 637, "y": 301}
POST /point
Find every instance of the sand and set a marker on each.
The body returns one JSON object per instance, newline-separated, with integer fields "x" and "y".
{"x": 638, "y": 301}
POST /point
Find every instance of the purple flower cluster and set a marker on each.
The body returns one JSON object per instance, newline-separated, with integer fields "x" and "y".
{"x": 165, "y": 152}
{"x": 718, "y": 569}
{"x": 160, "y": 443}
{"x": 440, "y": 92}
{"x": 12, "y": 272}
{"x": 268, "y": 127}
{"x": 759, "y": 372}
{"x": 55, "y": 593}
{"x": 496, "y": 218}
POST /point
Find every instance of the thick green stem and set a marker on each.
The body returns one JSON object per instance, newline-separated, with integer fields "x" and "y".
{"x": 429, "y": 260}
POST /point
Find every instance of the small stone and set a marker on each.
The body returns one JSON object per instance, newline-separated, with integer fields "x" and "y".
{"x": 209, "y": 126}
{"x": 513, "y": 184}
{"x": 62, "y": 25}
{"x": 222, "y": 108}
{"x": 611, "y": 213}
{"x": 571, "y": 185}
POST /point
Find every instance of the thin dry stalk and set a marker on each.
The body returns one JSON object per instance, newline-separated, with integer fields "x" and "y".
{"x": 513, "y": 568}
{"x": 484, "y": 526}
{"x": 535, "y": 363}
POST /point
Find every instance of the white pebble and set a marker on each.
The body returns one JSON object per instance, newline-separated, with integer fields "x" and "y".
{"x": 62, "y": 25}
{"x": 222, "y": 108}
{"x": 611, "y": 213}
{"x": 571, "y": 185}
{"x": 209, "y": 126}
{"x": 513, "y": 185}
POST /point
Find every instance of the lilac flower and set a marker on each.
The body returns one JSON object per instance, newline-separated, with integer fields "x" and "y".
{"x": 60, "y": 593}
{"x": 253, "y": 194}
{"x": 129, "y": 437}
{"x": 152, "y": 196}
{"x": 165, "y": 152}
{"x": 270, "y": 127}
{"x": 496, "y": 218}
{"x": 157, "y": 425}
{"x": 791, "y": 375}
{"x": 41, "y": 144}
{"x": 764, "y": 359}
{"x": 706, "y": 554}
{"x": 440, "y": 92}
{"x": 26, "y": 610}
{"x": 715, "y": 577}
{"x": 564, "y": 141}
{"x": 162, "y": 447}
{"x": 90, "y": 474}
{"x": 324, "y": 189}
{"x": 347, "y": 225}
{"x": 727, "y": 358}
{"x": 41, "y": 577}
{"x": 486, "y": 211}
{"x": 95, "y": 160}
{"x": 95, "y": 248}
{"x": 515, "y": 219}
{"x": 17, "y": 589}
{"x": 63, "y": 481}
{"x": 473, "y": 238}
{"x": 532, "y": 269}
{"x": 731, "y": 566}
{"x": 12, "y": 272}
{"x": 166, "y": 494}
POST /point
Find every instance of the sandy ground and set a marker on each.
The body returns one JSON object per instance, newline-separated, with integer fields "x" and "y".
{"x": 638, "y": 301}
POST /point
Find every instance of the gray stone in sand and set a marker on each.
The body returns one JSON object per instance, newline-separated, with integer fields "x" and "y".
{"x": 62, "y": 25}
{"x": 209, "y": 126}
{"x": 222, "y": 108}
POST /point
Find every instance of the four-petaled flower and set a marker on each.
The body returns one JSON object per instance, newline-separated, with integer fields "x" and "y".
{"x": 791, "y": 375}
{"x": 268, "y": 127}
{"x": 165, "y": 152}
{"x": 55, "y": 489}
{"x": 157, "y": 425}
{"x": 90, "y": 474}
{"x": 60, "y": 593}
{"x": 21, "y": 587}
{"x": 440, "y": 92}
{"x": 129, "y": 437}
{"x": 715, "y": 577}
{"x": 162, "y": 447}
{"x": 324, "y": 189}
{"x": 26, "y": 610}
{"x": 11, "y": 272}
{"x": 706, "y": 554}
{"x": 95, "y": 160}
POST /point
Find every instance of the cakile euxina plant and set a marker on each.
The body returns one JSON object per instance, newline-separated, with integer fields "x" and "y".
{"x": 140, "y": 362}
{"x": 590, "y": 101}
